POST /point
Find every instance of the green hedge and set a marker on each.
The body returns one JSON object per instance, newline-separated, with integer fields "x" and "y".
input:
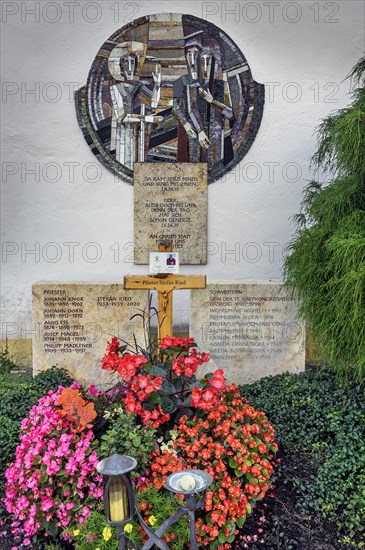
{"x": 315, "y": 413}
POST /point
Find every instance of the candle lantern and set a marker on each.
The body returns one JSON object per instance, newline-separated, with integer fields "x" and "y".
{"x": 193, "y": 484}
{"x": 119, "y": 501}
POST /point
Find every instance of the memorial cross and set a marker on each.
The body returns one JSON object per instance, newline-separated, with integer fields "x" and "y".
{"x": 165, "y": 284}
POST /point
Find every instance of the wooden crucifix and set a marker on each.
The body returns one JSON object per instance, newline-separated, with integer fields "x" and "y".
{"x": 165, "y": 284}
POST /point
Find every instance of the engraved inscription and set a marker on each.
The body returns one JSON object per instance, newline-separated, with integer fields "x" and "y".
{"x": 75, "y": 321}
{"x": 171, "y": 204}
{"x": 250, "y": 330}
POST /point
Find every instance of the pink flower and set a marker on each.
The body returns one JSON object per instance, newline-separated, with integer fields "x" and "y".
{"x": 94, "y": 391}
{"x": 47, "y": 503}
{"x": 50, "y": 445}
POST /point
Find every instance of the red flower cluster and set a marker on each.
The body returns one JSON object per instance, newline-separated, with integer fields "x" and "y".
{"x": 189, "y": 365}
{"x": 163, "y": 463}
{"x": 155, "y": 417}
{"x": 113, "y": 345}
{"x": 183, "y": 360}
{"x": 210, "y": 395}
{"x": 143, "y": 385}
{"x": 126, "y": 366}
{"x": 178, "y": 342}
{"x": 235, "y": 444}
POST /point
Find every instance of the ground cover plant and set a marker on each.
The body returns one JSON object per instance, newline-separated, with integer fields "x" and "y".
{"x": 319, "y": 497}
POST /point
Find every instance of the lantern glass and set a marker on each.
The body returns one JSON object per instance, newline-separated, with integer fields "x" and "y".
{"x": 118, "y": 500}
{"x": 118, "y": 491}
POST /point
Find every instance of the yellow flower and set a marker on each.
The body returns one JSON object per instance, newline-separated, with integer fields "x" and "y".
{"x": 128, "y": 528}
{"x": 152, "y": 520}
{"x": 107, "y": 533}
{"x": 77, "y": 532}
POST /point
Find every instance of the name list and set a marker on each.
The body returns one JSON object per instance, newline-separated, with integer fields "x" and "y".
{"x": 68, "y": 319}
{"x": 246, "y": 325}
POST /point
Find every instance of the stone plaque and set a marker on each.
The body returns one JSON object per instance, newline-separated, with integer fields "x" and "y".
{"x": 249, "y": 328}
{"x": 73, "y": 322}
{"x": 171, "y": 202}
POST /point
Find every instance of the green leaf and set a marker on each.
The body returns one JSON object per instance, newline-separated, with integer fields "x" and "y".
{"x": 43, "y": 477}
{"x": 52, "y": 529}
{"x": 231, "y": 526}
{"x": 168, "y": 405}
{"x": 240, "y": 521}
{"x": 154, "y": 398}
{"x": 167, "y": 388}
{"x": 157, "y": 371}
{"x": 178, "y": 383}
{"x": 187, "y": 401}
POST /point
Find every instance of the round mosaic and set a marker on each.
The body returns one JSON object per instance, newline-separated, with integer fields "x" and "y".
{"x": 170, "y": 88}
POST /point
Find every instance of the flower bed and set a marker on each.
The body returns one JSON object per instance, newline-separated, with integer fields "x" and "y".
{"x": 175, "y": 420}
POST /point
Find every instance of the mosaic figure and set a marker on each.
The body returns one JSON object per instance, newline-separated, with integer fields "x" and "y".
{"x": 187, "y": 89}
{"x": 170, "y": 88}
{"x": 128, "y": 128}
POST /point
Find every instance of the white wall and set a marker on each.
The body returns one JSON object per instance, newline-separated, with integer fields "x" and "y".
{"x": 301, "y": 50}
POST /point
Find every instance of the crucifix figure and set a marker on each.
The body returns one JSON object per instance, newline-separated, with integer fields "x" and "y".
{"x": 165, "y": 285}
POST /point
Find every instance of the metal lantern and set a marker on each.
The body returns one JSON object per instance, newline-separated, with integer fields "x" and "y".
{"x": 193, "y": 484}
{"x": 120, "y": 502}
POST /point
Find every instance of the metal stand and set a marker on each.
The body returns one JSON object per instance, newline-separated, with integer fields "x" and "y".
{"x": 154, "y": 537}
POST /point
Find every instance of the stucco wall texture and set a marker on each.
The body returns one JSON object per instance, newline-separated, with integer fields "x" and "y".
{"x": 65, "y": 217}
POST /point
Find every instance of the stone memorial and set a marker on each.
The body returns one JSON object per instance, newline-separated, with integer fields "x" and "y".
{"x": 74, "y": 321}
{"x": 171, "y": 203}
{"x": 250, "y": 329}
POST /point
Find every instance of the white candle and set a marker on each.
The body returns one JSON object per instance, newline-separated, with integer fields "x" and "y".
{"x": 187, "y": 483}
{"x": 118, "y": 500}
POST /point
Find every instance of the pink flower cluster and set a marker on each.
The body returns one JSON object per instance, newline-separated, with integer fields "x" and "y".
{"x": 54, "y": 470}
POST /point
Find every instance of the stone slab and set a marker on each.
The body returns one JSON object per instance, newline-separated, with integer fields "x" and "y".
{"x": 250, "y": 328}
{"x": 72, "y": 323}
{"x": 171, "y": 202}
